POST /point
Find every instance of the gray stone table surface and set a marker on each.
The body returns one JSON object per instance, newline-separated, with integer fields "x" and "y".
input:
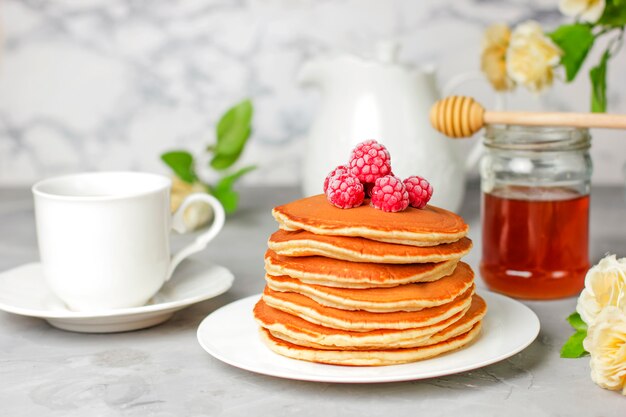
{"x": 163, "y": 371}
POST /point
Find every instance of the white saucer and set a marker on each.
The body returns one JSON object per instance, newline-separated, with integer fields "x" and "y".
{"x": 23, "y": 291}
{"x": 231, "y": 335}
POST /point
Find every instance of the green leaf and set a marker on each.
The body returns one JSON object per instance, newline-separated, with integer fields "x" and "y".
{"x": 573, "y": 348}
{"x": 229, "y": 199}
{"x": 234, "y": 127}
{"x": 224, "y": 192}
{"x": 614, "y": 13}
{"x": 575, "y": 41}
{"x": 577, "y": 322}
{"x": 181, "y": 162}
{"x": 225, "y": 156}
{"x": 221, "y": 162}
{"x": 597, "y": 75}
{"x": 229, "y": 180}
{"x": 233, "y": 131}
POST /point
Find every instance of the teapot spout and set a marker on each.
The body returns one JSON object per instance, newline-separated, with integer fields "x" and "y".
{"x": 311, "y": 73}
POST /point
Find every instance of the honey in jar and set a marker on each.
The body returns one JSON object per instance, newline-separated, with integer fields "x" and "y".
{"x": 535, "y": 211}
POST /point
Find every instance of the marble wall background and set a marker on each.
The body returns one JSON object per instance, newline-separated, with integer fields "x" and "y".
{"x": 110, "y": 84}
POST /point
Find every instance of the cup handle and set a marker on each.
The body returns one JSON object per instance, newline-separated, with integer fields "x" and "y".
{"x": 203, "y": 239}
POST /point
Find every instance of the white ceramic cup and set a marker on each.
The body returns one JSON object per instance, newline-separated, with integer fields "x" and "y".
{"x": 104, "y": 237}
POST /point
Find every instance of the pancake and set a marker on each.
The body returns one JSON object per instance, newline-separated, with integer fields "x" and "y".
{"x": 368, "y": 357}
{"x": 426, "y": 227}
{"x": 295, "y": 330}
{"x": 410, "y": 297}
{"x": 358, "y": 249}
{"x": 359, "y": 320}
{"x": 319, "y": 270}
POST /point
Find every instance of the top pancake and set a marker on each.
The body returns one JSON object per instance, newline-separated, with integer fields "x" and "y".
{"x": 425, "y": 227}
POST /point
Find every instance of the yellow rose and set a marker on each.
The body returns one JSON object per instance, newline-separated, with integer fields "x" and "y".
{"x": 606, "y": 343}
{"x": 587, "y": 10}
{"x": 197, "y": 213}
{"x": 605, "y": 285}
{"x": 531, "y": 57}
{"x": 493, "y": 58}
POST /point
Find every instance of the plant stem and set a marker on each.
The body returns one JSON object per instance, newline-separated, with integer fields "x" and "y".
{"x": 615, "y": 44}
{"x": 604, "y": 31}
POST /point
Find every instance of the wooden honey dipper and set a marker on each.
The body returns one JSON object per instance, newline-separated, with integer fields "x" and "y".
{"x": 461, "y": 117}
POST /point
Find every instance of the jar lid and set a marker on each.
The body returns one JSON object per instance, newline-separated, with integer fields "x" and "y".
{"x": 536, "y": 138}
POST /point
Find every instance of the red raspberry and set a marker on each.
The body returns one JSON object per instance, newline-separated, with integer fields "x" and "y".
{"x": 368, "y": 186}
{"x": 389, "y": 194}
{"x": 419, "y": 190}
{"x": 341, "y": 169}
{"x": 345, "y": 191}
{"x": 370, "y": 160}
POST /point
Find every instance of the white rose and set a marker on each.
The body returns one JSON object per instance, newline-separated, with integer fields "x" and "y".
{"x": 588, "y": 10}
{"x": 605, "y": 285}
{"x": 493, "y": 58}
{"x": 606, "y": 343}
{"x": 532, "y": 56}
{"x": 198, "y": 213}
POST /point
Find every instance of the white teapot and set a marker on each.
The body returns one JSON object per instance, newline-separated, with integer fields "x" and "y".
{"x": 383, "y": 100}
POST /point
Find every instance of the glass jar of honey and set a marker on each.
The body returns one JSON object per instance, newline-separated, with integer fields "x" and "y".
{"x": 535, "y": 210}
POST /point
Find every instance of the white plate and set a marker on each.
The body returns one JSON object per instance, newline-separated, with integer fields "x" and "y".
{"x": 23, "y": 291}
{"x": 231, "y": 335}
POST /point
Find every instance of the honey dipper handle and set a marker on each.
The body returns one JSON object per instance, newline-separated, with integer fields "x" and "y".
{"x": 602, "y": 120}
{"x": 461, "y": 117}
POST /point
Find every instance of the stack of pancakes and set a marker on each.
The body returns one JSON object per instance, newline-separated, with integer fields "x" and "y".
{"x": 365, "y": 287}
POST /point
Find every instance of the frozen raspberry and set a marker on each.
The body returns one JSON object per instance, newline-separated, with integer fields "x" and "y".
{"x": 419, "y": 190}
{"x": 389, "y": 194}
{"x": 368, "y": 186}
{"x": 341, "y": 169}
{"x": 370, "y": 160}
{"x": 345, "y": 191}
